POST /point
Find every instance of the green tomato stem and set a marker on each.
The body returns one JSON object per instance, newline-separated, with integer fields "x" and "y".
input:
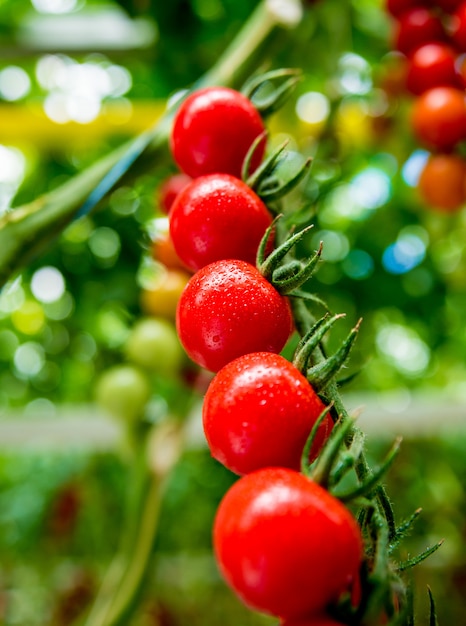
{"x": 126, "y": 573}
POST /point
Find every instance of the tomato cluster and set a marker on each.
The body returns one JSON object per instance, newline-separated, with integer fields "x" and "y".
{"x": 259, "y": 408}
{"x": 431, "y": 34}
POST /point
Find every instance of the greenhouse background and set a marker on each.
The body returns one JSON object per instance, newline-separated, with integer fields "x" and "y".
{"x": 79, "y": 79}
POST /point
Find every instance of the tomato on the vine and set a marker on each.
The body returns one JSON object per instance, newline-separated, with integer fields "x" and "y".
{"x": 229, "y": 309}
{"x": 213, "y": 131}
{"x": 448, "y": 5}
{"x": 458, "y": 27}
{"x": 154, "y": 345}
{"x": 432, "y": 65}
{"x": 397, "y": 7}
{"x": 123, "y": 390}
{"x": 162, "y": 295}
{"x": 417, "y": 27}
{"x": 439, "y": 117}
{"x": 258, "y": 412}
{"x": 170, "y": 188}
{"x": 284, "y": 544}
{"x": 217, "y": 217}
{"x": 442, "y": 182}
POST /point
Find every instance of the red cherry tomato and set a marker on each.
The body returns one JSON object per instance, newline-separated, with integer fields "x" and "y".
{"x": 439, "y": 117}
{"x": 448, "y": 5}
{"x": 213, "y": 131}
{"x": 442, "y": 182}
{"x": 258, "y": 412}
{"x": 169, "y": 189}
{"x": 397, "y": 7}
{"x": 416, "y": 28}
{"x": 229, "y": 309}
{"x": 217, "y": 217}
{"x": 284, "y": 544}
{"x": 458, "y": 27}
{"x": 431, "y": 65}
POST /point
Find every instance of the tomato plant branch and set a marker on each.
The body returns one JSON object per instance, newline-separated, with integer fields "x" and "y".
{"x": 125, "y": 576}
{"x": 304, "y": 320}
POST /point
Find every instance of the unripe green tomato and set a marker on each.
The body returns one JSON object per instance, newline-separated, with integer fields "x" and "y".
{"x": 123, "y": 391}
{"x": 153, "y": 344}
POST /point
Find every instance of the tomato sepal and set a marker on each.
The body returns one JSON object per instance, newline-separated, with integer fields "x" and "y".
{"x": 367, "y": 487}
{"x": 320, "y": 470}
{"x": 312, "y": 339}
{"x": 266, "y": 180}
{"x": 285, "y": 278}
{"x": 273, "y": 98}
{"x": 323, "y": 373}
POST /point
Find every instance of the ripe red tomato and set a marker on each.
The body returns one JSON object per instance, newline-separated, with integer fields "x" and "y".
{"x": 448, "y": 5}
{"x": 416, "y": 28}
{"x": 213, "y": 131}
{"x": 217, "y": 217}
{"x": 442, "y": 182}
{"x": 169, "y": 189}
{"x": 458, "y": 27}
{"x": 397, "y": 7}
{"x": 258, "y": 412}
{"x": 431, "y": 65}
{"x": 439, "y": 117}
{"x": 284, "y": 544}
{"x": 229, "y": 309}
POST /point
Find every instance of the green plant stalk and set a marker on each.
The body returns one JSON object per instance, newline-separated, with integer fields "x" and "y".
{"x": 125, "y": 576}
{"x": 26, "y": 231}
{"x": 304, "y": 320}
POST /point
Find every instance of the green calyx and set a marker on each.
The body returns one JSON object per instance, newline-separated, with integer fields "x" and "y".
{"x": 268, "y": 92}
{"x": 291, "y": 275}
{"x": 311, "y": 340}
{"x": 321, "y": 374}
{"x": 273, "y": 179}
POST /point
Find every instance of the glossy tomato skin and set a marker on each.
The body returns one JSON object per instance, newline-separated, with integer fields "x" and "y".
{"x": 442, "y": 182}
{"x": 284, "y": 544}
{"x": 439, "y": 117}
{"x": 416, "y": 28}
{"x": 258, "y": 412}
{"x": 213, "y": 131}
{"x": 229, "y": 309}
{"x": 217, "y": 217}
{"x": 431, "y": 65}
{"x": 170, "y": 188}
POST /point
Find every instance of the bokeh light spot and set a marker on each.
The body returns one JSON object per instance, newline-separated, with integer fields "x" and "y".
{"x": 14, "y": 83}
{"x": 29, "y": 318}
{"x": 313, "y": 107}
{"x": 413, "y": 167}
{"x": 29, "y": 359}
{"x": 48, "y": 284}
{"x": 358, "y": 264}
